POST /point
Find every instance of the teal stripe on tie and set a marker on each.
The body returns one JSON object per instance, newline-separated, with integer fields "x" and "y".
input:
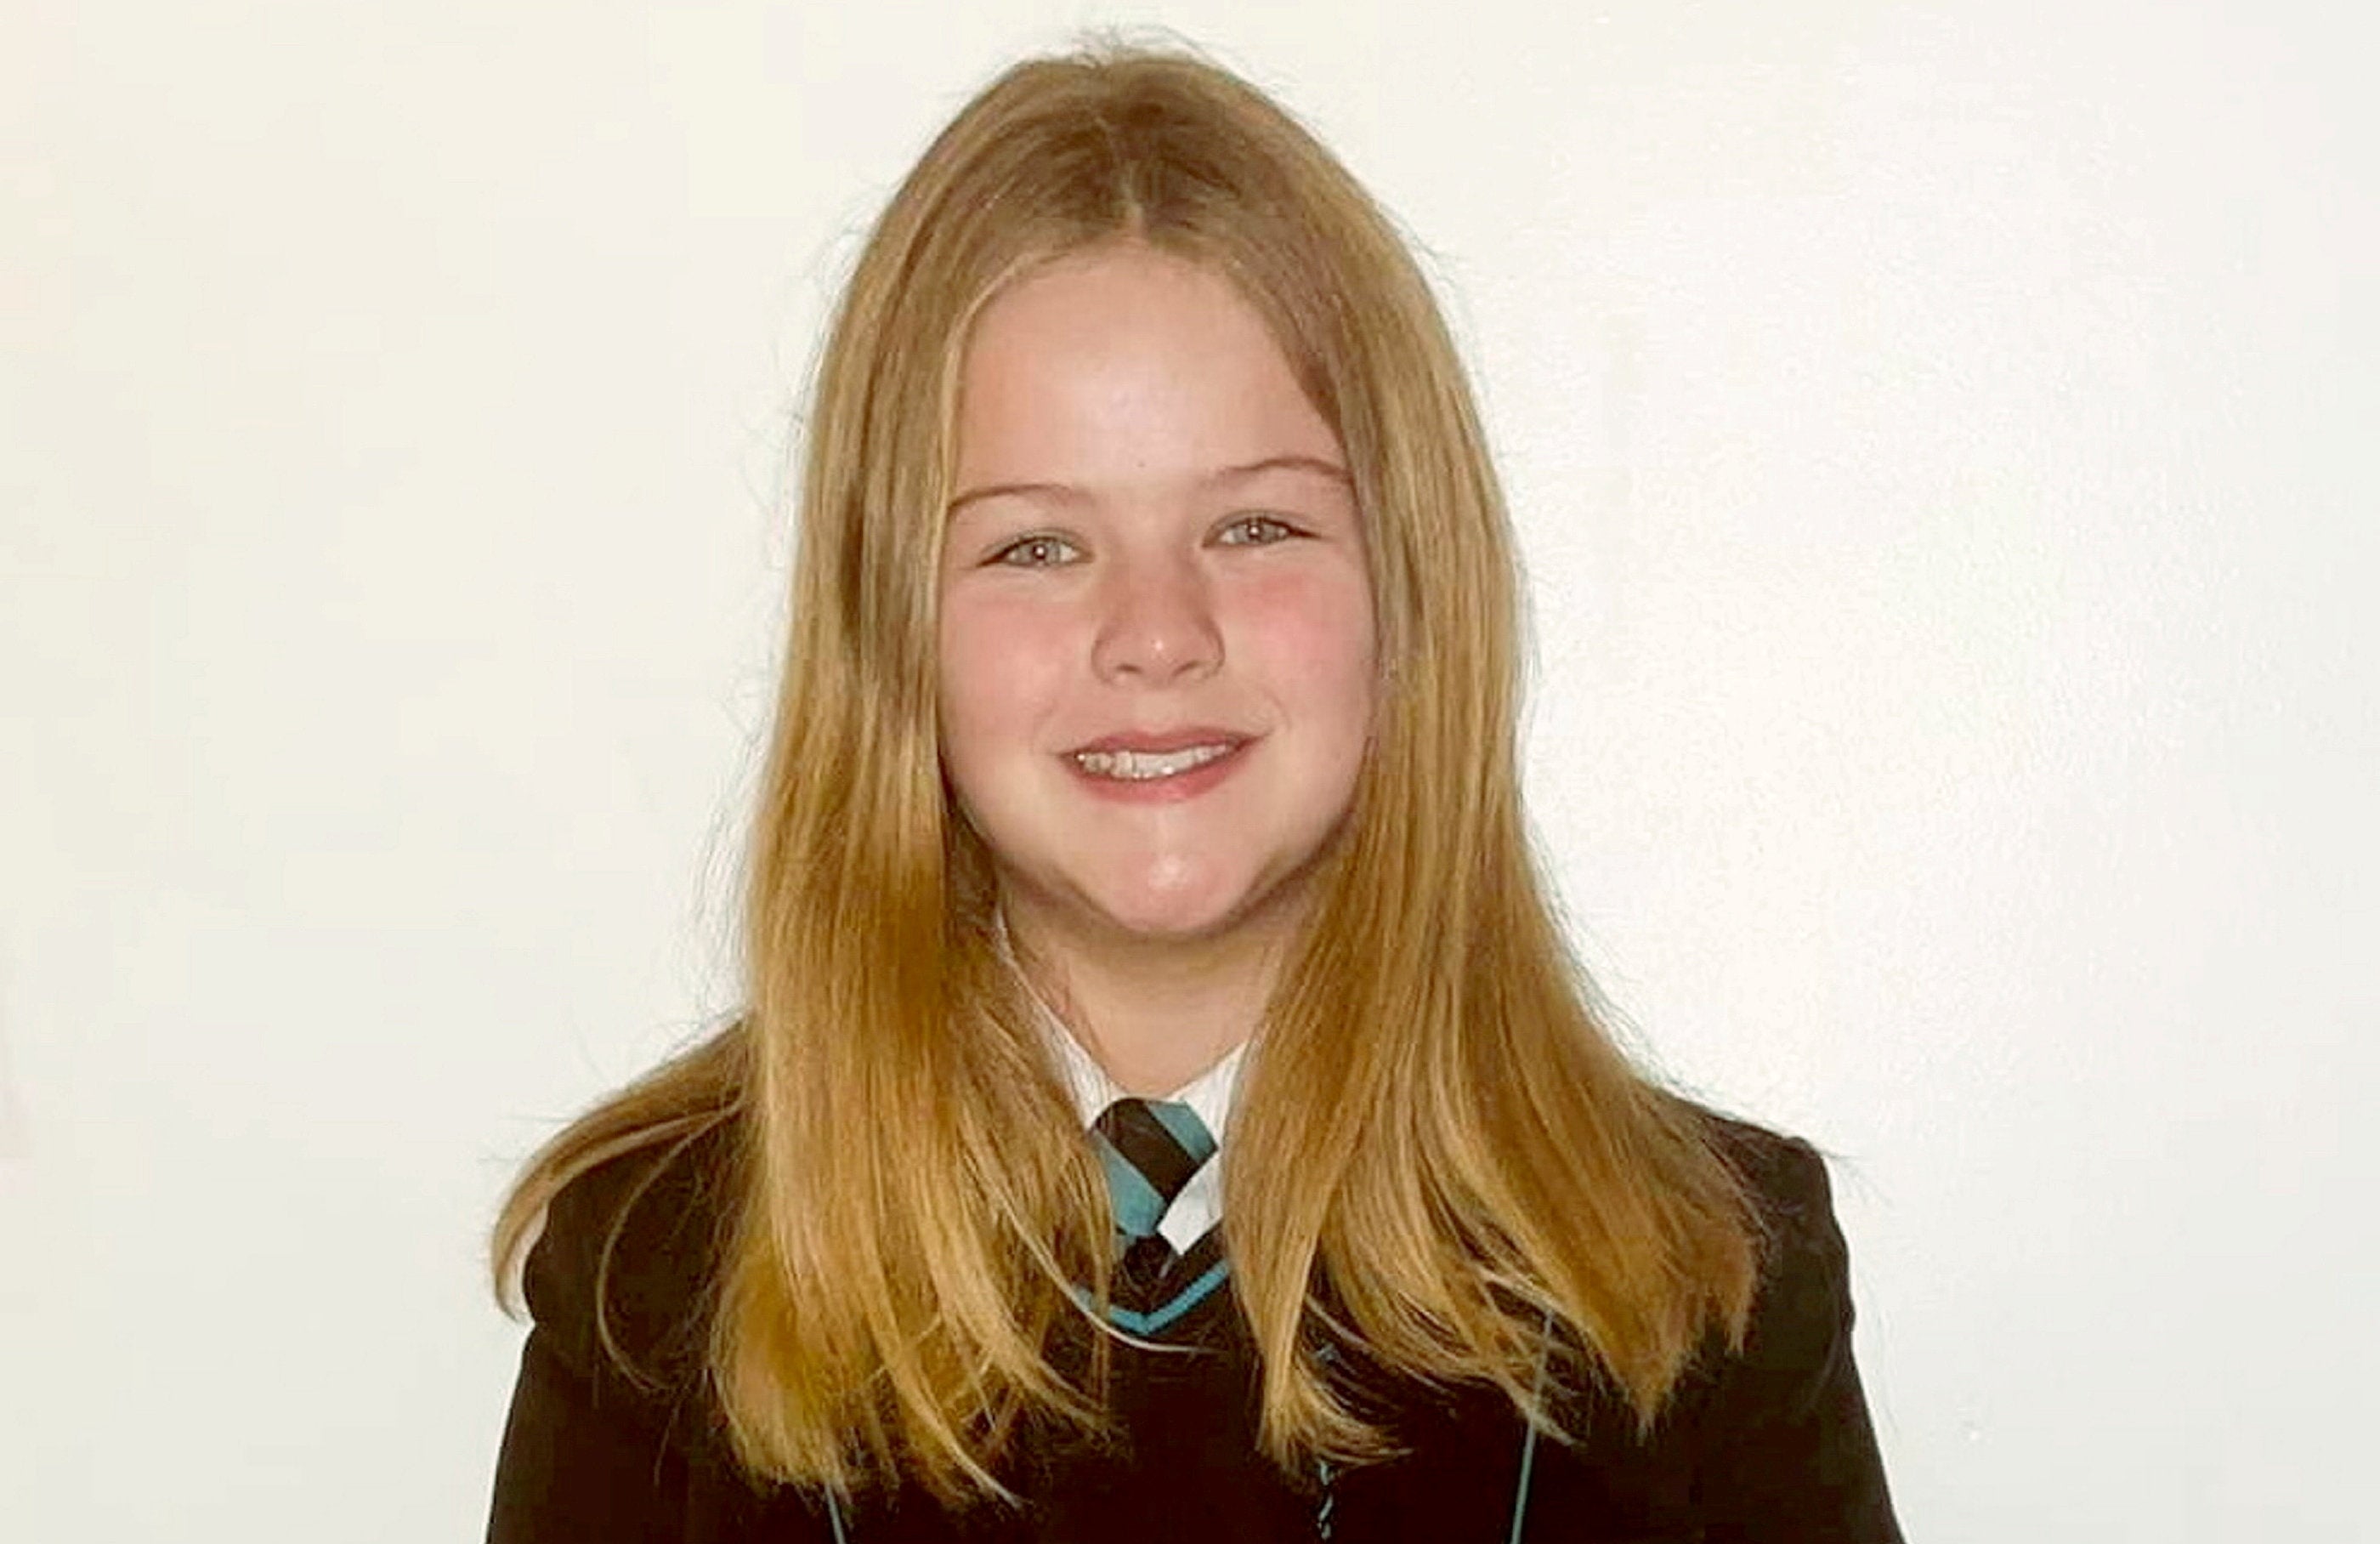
{"x": 1186, "y": 1128}
{"x": 1138, "y": 1206}
{"x": 1182, "y": 1303}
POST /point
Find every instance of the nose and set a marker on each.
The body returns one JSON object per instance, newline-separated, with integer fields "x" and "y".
{"x": 1158, "y": 620}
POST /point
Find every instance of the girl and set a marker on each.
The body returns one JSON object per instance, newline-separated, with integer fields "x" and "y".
{"x": 1165, "y": 1106}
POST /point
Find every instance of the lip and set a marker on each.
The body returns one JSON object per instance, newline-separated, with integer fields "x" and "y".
{"x": 1158, "y": 742}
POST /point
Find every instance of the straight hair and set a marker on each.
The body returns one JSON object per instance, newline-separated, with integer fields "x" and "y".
{"x": 915, "y": 1215}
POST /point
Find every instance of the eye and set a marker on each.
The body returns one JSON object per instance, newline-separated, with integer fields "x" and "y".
{"x": 1035, "y": 551}
{"x": 1257, "y": 531}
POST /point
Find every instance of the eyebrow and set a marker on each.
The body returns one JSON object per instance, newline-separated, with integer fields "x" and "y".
{"x": 1065, "y": 493}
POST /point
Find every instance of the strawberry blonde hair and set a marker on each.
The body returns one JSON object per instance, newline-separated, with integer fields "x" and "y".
{"x": 912, "y": 1202}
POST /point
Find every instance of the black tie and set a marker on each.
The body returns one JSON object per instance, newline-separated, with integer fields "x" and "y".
{"x": 1150, "y": 1149}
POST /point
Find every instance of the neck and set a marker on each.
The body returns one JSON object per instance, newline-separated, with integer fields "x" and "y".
{"x": 1155, "y": 1013}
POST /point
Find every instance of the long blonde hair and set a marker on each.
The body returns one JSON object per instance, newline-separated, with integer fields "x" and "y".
{"x": 916, "y": 1202}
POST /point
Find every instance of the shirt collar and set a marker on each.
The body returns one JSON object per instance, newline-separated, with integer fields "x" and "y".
{"x": 1209, "y": 1093}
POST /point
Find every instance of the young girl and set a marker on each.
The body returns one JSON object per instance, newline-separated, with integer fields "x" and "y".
{"x": 1165, "y": 1106}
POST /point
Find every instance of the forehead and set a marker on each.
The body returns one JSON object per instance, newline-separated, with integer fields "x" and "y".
{"x": 1124, "y": 364}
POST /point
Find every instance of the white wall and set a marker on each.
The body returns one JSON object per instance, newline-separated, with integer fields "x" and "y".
{"x": 1939, "y": 438}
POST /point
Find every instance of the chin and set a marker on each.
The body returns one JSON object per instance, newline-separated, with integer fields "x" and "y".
{"x": 1167, "y": 917}
{"x": 1195, "y": 906}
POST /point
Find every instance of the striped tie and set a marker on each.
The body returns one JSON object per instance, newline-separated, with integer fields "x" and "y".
{"x": 1150, "y": 1149}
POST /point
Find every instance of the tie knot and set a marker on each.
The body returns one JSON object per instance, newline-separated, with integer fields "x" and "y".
{"x": 1151, "y": 1148}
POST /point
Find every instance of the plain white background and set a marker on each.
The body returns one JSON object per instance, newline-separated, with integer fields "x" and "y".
{"x": 1939, "y": 441}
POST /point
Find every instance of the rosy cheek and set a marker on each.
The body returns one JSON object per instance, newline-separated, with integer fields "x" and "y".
{"x": 1317, "y": 625}
{"x": 1001, "y": 662}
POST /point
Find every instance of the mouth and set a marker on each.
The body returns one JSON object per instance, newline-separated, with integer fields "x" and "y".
{"x": 1138, "y": 766}
{"x": 1148, "y": 766}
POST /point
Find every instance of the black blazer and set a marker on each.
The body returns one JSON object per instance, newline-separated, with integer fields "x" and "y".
{"x": 1772, "y": 1444}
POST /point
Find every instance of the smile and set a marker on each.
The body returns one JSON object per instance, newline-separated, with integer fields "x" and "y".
{"x": 1145, "y": 766}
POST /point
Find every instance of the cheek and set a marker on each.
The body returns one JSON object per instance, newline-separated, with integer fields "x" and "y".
{"x": 1317, "y": 636}
{"x": 997, "y": 678}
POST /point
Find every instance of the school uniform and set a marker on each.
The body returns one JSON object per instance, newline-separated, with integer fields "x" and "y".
{"x": 1769, "y": 1445}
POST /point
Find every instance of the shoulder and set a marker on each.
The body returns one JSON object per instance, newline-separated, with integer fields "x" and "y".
{"x": 1803, "y": 1304}
{"x": 622, "y": 1271}
{"x": 614, "y": 1432}
{"x": 1784, "y": 1178}
{"x": 1786, "y": 1404}
{"x": 1788, "y": 1452}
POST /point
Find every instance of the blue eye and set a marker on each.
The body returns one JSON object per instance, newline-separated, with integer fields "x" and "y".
{"x": 1035, "y": 551}
{"x": 1262, "y": 530}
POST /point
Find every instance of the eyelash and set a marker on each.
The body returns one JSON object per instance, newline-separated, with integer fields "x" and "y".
{"x": 1282, "y": 531}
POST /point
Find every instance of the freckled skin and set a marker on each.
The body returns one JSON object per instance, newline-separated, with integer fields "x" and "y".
{"x": 1111, "y": 565}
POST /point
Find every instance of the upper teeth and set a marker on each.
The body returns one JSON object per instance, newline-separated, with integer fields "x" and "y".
{"x": 1140, "y": 765}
